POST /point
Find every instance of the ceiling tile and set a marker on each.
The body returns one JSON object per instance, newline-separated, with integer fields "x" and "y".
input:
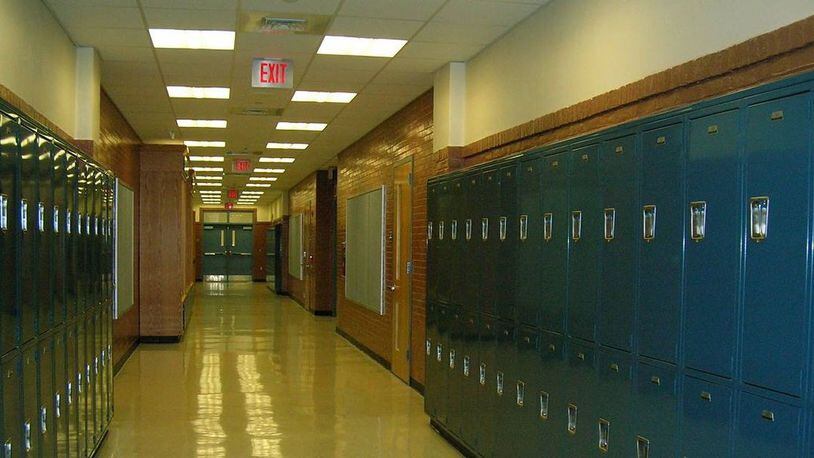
{"x": 195, "y": 57}
{"x": 443, "y": 32}
{"x": 298, "y": 6}
{"x": 329, "y": 64}
{"x": 397, "y": 77}
{"x": 200, "y": 108}
{"x": 316, "y": 112}
{"x": 373, "y": 28}
{"x": 265, "y": 44}
{"x": 394, "y": 9}
{"x": 407, "y": 64}
{"x": 73, "y": 16}
{"x": 331, "y": 86}
{"x": 440, "y": 51}
{"x": 191, "y": 4}
{"x": 163, "y": 18}
{"x": 116, "y": 3}
{"x": 339, "y": 75}
{"x": 126, "y": 53}
{"x": 484, "y": 12}
{"x": 98, "y": 37}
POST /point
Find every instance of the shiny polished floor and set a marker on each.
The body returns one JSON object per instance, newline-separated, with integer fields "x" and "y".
{"x": 256, "y": 375}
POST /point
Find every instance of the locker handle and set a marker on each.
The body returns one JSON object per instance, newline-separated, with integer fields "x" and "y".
{"x": 482, "y": 374}
{"x": 234, "y": 235}
{"x": 27, "y": 435}
{"x": 41, "y": 216}
{"x": 767, "y": 415}
{"x": 759, "y": 218}
{"x": 576, "y": 225}
{"x": 466, "y": 366}
{"x": 504, "y": 225}
{"x": 572, "y": 419}
{"x": 484, "y": 228}
{"x": 429, "y": 230}
{"x": 706, "y": 396}
{"x": 649, "y": 222}
{"x": 68, "y": 222}
{"x": 439, "y": 352}
{"x": 222, "y": 237}
{"x": 3, "y": 212}
{"x": 453, "y": 230}
{"x": 43, "y": 420}
{"x": 69, "y": 392}
{"x": 610, "y": 224}
{"x": 428, "y": 344}
{"x": 468, "y": 229}
{"x": 777, "y": 115}
{"x": 441, "y": 230}
{"x": 655, "y": 380}
{"x": 24, "y": 215}
{"x": 642, "y": 447}
{"x": 56, "y": 219}
{"x": 604, "y": 434}
{"x": 543, "y": 405}
{"x": 521, "y": 393}
{"x": 548, "y": 226}
{"x": 58, "y": 405}
{"x": 527, "y": 339}
{"x": 524, "y": 227}
{"x": 698, "y": 220}
{"x": 8, "y": 449}
{"x": 499, "y": 383}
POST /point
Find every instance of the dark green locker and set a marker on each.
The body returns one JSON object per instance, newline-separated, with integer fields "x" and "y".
{"x": 81, "y": 242}
{"x": 441, "y": 362}
{"x": 454, "y": 374}
{"x": 525, "y": 385}
{"x": 31, "y": 411}
{"x": 581, "y": 413}
{"x": 46, "y": 419}
{"x": 470, "y": 410}
{"x": 778, "y": 167}
{"x": 90, "y": 378}
{"x": 711, "y": 294}
{"x": 107, "y": 364}
{"x": 71, "y": 236}
{"x": 94, "y": 247}
{"x": 549, "y": 399}
{"x": 454, "y": 258}
{"x": 471, "y": 262}
{"x": 431, "y": 385}
{"x": 585, "y": 235}
{"x": 72, "y": 388}
{"x": 507, "y": 232}
{"x": 442, "y": 250}
{"x": 768, "y": 427}
{"x": 81, "y": 388}
{"x": 44, "y": 239}
{"x": 27, "y": 142}
{"x": 615, "y": 433}
{"x": 12, "y": 411}
{"x": 662, "y": 231}
{"x": 530, "y": 236}
{"x": 62, "y": 377}
{"x": 554, "y": 250}
{"x": 487, "y": 373}
{"x": 98, "y": 386}
{"x": 505, "y": 377}
{"x": 59, "y": 235}
{"x": 706, "y": 418}
{"x": 433, "y": 189}
{"x": 654, "y": 415}
{"x": 488, "y": 234}
{"x": 617, "y": 171}
{"x": 9, "y": 209}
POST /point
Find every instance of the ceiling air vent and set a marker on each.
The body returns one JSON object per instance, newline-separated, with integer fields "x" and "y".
{"x": 276, "y": 24}
{"x": 264, "y": 22}
{"x": 257, "y": 111}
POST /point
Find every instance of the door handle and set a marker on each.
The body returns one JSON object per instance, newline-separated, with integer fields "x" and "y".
{"x": 233, "y": 237}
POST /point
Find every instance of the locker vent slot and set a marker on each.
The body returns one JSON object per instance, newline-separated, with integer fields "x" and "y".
{"x": 468, "y": 228}
{"x": 524, "y": 227}
{"x": 642, "y": 447}
{"x": 3, "y": 212}
{"x": 543, "y": 405}
{"x": 759, "y": 217}
{"x": 466, "y": 366}
{"x": 698, "y": 220}
{"x": 548, "y": 226}
{"x": 482, "y": 374}
{"x": 499, "y": 384}
{"x": 453, "y": 230}
{"x": 576, "y": 225}
{"x": 521, "y": 393}
{"x": 572, "y": 419}
{"x": 604, "y": 434}
{"x": 504, "y": 224}
{"x": 649, "y": 222}
{"x": 610, "y": 223}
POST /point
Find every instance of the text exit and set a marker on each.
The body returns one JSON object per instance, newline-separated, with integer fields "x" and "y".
{"x": 273, "y": 73}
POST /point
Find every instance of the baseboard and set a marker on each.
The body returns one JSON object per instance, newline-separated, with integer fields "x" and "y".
{"x": 117, "y": 367}
{"x": 454, "y": 441}
{"x": 414, "y": 384}
{"x": 160, "y": 339}
{"x": 364, "y": 348}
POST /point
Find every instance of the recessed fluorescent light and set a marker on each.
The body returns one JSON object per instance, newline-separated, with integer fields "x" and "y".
{"x": 269, "y": 170}
{"x": 283, "y": 160}
{"x": 205, "y": 143}
{"x": 272, "y": 145}
{"x": 189, "y": 92}
{"x": 257, "y": 193}
{"x": 206, "y": 158}
{"x": 258, "y": 185}
{"x": 193, "y": 39}
{"x": 206, "y": 169}
{"x": 210, "y": 123}
{"x": 210, "y": 194}
{"x": 263, "y": 179}
{"x": 353, "y": 46}
{"x": 313, "y": 126}
{"x": 322, "y": 97}
{"x": 208, "y": 184}
{"x": 208, "y": 178}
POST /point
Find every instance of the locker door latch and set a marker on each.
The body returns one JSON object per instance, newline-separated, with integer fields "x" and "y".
{"x": 24, "y": 215}
{"x": 524, "y": 227}
{"x": 439, "y": 352}
{"x": 429, "y": 347}
{"x": 441, "y": 230}
{"x": 604, "y": 434}
{"x": 466, "y": 366}
{"x": 56, "y": 218}
{"x": 453, "y": 230}
{"x": 698, "y": 220}
{"x": 3, "y": 212}
{"x": 576, "y": 225}
{"x": 759, "y": 218}
{"x": 504, "y": 226}
{"x": 43, "y": 420}
{"x": 499, "y": 384}
{"x": 543, "y": 405}
{"x": 41, "y": 216}
{"x": 429, "y": 230}
{"x": 482, "y": 374}
{"x": 468, "y": 229}
{"x": 649, "y": 222}
{"x": 572, "y": 419}
{"x": 27, "y": 435}
{"x": 7, "y": 449}
{"x": 610, "y": 224}
{"x": 452, "y": 359}
{"x": 642, "y": 447}
{"x": 548, "y": 226}
{"x": 521, "y": 393}
{"x": 484, "y": 228}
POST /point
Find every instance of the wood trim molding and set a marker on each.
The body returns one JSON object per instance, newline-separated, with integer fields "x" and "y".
{"x": 774, "y": 55}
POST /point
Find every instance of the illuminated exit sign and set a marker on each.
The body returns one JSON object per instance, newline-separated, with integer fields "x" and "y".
{"x": 274, "y": 73}
{"x": 242, "y": 166}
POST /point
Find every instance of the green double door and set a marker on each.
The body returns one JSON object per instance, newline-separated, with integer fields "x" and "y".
{"x": 227, "y": 252}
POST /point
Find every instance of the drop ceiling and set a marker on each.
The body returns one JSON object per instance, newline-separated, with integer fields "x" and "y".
{"x": 135, "y": 75}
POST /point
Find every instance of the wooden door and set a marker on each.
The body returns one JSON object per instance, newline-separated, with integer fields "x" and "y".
{"x": 402, "y": 268}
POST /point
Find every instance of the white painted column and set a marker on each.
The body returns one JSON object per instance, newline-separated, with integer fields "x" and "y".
{"x": 88, "y": 94}
{"x": 449, "y": 106}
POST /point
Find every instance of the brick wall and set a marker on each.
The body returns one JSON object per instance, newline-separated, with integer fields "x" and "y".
{"x": 367, "y": 165}
{"x": 303, "y": 199}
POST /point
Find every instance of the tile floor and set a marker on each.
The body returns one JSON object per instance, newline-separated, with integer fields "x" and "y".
{"x": 256, "y": 375}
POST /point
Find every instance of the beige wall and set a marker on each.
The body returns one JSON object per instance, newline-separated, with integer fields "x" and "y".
{"x": 573, "y": 50}
{"x": 38, "y": 62}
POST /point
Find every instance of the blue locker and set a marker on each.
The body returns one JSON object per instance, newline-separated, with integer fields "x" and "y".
{"x": 27, "y": 221}
{"x": 706, "y": 419}
{"x": 525, "y": 386}
{"x": 44, "y": 232}
{"x": 9, "y": 272}
{"x": 585, "y": 237}
{"x": 549, "y": 396}
{"x": 617, "y": 171}
{"x": 486, "y": 373}
{"x": 46, "y": 424}
{"x": 507, "y": 234}
{"x": 615, "y": 433}
{"x": 662, "y": 231}
{"x": 527, "y": 265}
{"x": 11, "y": 384}
{"x": 488, "y": 233}
{"x": 581, "y": 414}
{"x": 778, "y": 167}
{"x": 654, "y": 416}
{"x": 712, "y": 253}
{"x": 768, "y": 427}
{"x": 59, "y": 234}
{"x": 554, "y": 248}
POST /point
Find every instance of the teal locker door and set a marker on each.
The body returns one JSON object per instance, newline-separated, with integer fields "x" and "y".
{"x": 712, "y": 249}
{"x": 662, "y": 229}
{"x": 585, "y": 235}
{"x": 59, "y": 234}
{"x": 11, "y": 383}
{"x": 507, "y": 242}
{"x": 767, "y": 427}
{"x": 60, "y": 401}
{"x": 46, "y": 420}
{"x": 778, "y": 188}
{"x": 488, "y": 229}
{"x": 487, "y": 398}
{"x": 615, "y": 434}
{"x": 654, "y": 418}
{"x": 706, "y": 419}
{"x": 617, "y": 170}
{"x": 71, "y": 238}
{"x": 530, "y": 235}
{"x": 29, "y": 152}
{"x": 581, "y": 413}
{"x": 31, "y": 411}
{"x": 468, "y": 236}
{"x": 213, "y": 244}
{"x": 549, "y": 397}
{"x": 239, "y": 262}
{"x": 9, "y": 223}
{"x": 554, "y": 248}
{"x": 45, "y": 230}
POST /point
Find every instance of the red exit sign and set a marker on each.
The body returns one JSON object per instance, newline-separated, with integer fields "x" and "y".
{"x": 232, "y": 194}
{"x": 229, "y": 205}
{"x": 273, "y": 73}
{"x": 242, "y": 166}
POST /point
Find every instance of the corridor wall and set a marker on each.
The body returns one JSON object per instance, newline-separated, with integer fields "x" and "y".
{"x": 640, "y": 291}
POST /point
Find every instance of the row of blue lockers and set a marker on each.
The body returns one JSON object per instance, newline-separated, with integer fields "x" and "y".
{"x": 683, "y": 240}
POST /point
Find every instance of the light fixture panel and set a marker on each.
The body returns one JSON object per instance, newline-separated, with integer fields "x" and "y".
{"x": 309, "y": 126}
{"x": 323, "y": 97}
{"x": 355, "y": 46}
{"x": 192, "y": 92}
{"x": 193, "y": 39}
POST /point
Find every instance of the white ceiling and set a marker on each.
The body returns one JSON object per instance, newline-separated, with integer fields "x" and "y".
{"x": 135, "y": 75}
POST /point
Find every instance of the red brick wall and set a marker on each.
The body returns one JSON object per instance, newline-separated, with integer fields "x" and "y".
{"x": 366, "y": 165}
{"x": 303, "y": 199}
